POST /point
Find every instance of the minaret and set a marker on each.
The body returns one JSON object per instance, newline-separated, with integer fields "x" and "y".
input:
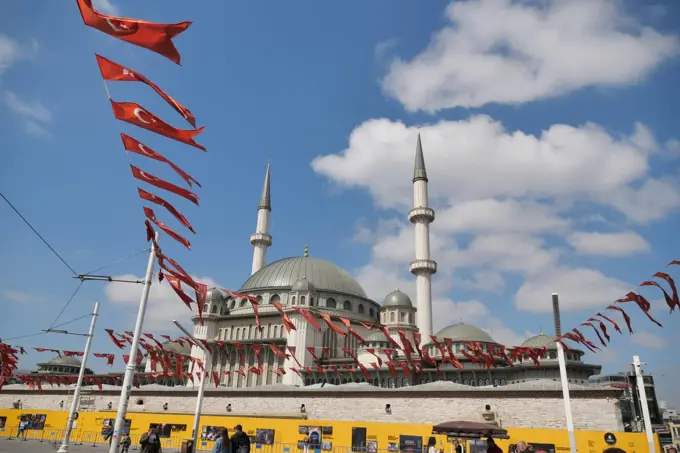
{"x": 261, "y": 238}
{"x": 423, "y": 267}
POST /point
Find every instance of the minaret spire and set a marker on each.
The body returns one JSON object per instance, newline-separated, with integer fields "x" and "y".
{"x": 261, "y": 239}
{"x": 265, "y": 199}
{"x": 422, "y": 267}
{"x": 419, "y": 172}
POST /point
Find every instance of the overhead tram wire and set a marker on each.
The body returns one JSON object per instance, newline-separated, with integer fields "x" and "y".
{"x": 38, "y": 234}
{"x": 117, "y": 261}
{"x": 66, "y": 304}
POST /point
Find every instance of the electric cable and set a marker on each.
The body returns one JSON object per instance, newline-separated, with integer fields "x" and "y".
{"x": 118, "y": 261}
{"x": 38, "y": 234}
{"x": 66, "y": 304}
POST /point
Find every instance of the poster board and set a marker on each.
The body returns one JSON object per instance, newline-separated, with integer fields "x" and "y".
{"x": 411, "y": 444}
{"x": 264, "y": 436}
{"x": 166, "y": 429}
{"x": 108, "y": 423}
{"x": 211, "y": 432}
{"x": 359, "y": 439}
{"x": 35, "y": 421}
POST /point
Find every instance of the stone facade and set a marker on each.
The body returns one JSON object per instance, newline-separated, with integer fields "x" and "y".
{"x": 591, "y": 409}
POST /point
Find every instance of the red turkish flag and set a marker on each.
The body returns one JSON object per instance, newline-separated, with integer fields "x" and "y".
{"x": 133, "y": 113}
{"x": 163, "y": 184}
{"x": 148, "y": 212}
{"x": 143, "y": 194}
{"x": 119, "y": 73}
{"x": 149, "y": 35}
{"x": 140, "y": 148}
{"x": 176, "y": 286}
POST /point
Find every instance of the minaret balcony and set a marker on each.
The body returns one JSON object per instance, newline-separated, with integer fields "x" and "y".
{"x": 423, "y": 267}
{"x": 261, "y": 239}
{"x": 416, "y": 215}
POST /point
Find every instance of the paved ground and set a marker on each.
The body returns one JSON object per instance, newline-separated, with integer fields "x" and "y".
{"x": 35, "y": 446}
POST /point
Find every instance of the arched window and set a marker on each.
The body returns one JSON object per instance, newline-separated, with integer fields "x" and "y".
{"x": 392, "y": 317}
{"x": 410, "y": 318}
{"x": 331, "y": 303}
{"x": 293, "y": 300}
{"x": 276, "y": 298}
{"x": 214, "y": 309}
{"x": 302, "y": 300}
{"x": 276, "y": 331}
{"x": 242, "y": 303}
{"x": 371, "y": 312}
{"x": 402, "y": 316}
{"x": 361, "y": 309}
{"x": 232, "y": 305}
{"x": 311, "y": 301}
{"x": 347, "y": 305}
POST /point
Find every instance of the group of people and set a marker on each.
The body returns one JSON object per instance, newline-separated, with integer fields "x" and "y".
{"x": 239, "y": 442}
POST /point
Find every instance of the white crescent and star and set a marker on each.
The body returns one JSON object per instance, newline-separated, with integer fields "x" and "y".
{"x": 143, "y": 149}
{"x": 137, "y": 112}
{"x": 123, "y": 26}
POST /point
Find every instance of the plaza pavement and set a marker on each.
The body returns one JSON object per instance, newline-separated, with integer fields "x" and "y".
{"x": 35, "y": 446}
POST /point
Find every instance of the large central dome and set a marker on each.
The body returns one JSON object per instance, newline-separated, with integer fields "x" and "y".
{"x": 324, "y": 275}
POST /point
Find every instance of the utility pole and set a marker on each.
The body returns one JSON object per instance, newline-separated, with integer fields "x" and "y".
{"x": 79, "y": 384}
{"x": 642, "y": 392}
{"x": 131, "y": 365}
{"x": 201, "y": 385}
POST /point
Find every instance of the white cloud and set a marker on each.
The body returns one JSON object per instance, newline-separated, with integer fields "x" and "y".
{"x": 31, "y": 109}
{"x": 483, "y": 280}
{"x": 495, "y": 215}
{"x": 503, "y": 51}
{"x": 648, "y": 340}
{"x": 608, "y": 244}
{"x": 20, "y": 296}
{"x": 494, "y": 176}
{"x": 36, "y": 130}
{"x": 504, "y": 201}
{"x": 163, "y": 305}
{"x": 12, "y": 51}
{"x": 577, "y": 288}
{"x": 105, "y": 6}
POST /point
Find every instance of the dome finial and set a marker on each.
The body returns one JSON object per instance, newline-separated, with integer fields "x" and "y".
{"x": 541, "y": 331}
{"x": 460, "y": 320}
{"x": 306, "y": 255}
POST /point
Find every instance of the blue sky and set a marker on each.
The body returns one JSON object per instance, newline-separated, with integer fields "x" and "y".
{"x": 548, "y": 134}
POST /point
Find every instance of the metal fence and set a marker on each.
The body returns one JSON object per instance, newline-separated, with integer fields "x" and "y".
{"x": 169, "y": 444}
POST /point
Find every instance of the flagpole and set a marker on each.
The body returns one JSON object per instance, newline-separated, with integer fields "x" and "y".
{"x": 132, "y": 360}
{"x": 201, "y": 385}
{"x": 79, "y": 383}
{"x": 565, "y": 390}
{"x": 642, "y": 393}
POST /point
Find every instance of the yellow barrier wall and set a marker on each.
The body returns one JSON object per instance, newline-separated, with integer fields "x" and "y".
{"x": 385, "y": 436}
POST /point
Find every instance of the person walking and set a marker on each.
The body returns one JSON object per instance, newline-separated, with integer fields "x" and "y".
{"x": 240, "y": 442}
{"x": 222, "y": 443}
{"x": 150, "y": 442}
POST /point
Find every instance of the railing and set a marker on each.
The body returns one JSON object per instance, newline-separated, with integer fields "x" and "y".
{"x": 168, "y": 444}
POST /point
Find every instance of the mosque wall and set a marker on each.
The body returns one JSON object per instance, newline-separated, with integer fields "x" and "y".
{"x": 281, "y": 434}
{"x": 592, "y": 410}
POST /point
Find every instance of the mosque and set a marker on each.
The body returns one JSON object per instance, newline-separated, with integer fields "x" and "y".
{"x": 321, "y": 286}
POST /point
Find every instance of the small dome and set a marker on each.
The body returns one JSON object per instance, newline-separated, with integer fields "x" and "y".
{"x": 376, "y": 337}
{"x": 215, "y": 295}
{"x": 302, "y": 285}
{"x": 65, "y": 361}
{"x": 540, "y": 341}
{"x": 177, "y": 348}
{"x": 464, "y": 332}
{"x": 397, "y": 299}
